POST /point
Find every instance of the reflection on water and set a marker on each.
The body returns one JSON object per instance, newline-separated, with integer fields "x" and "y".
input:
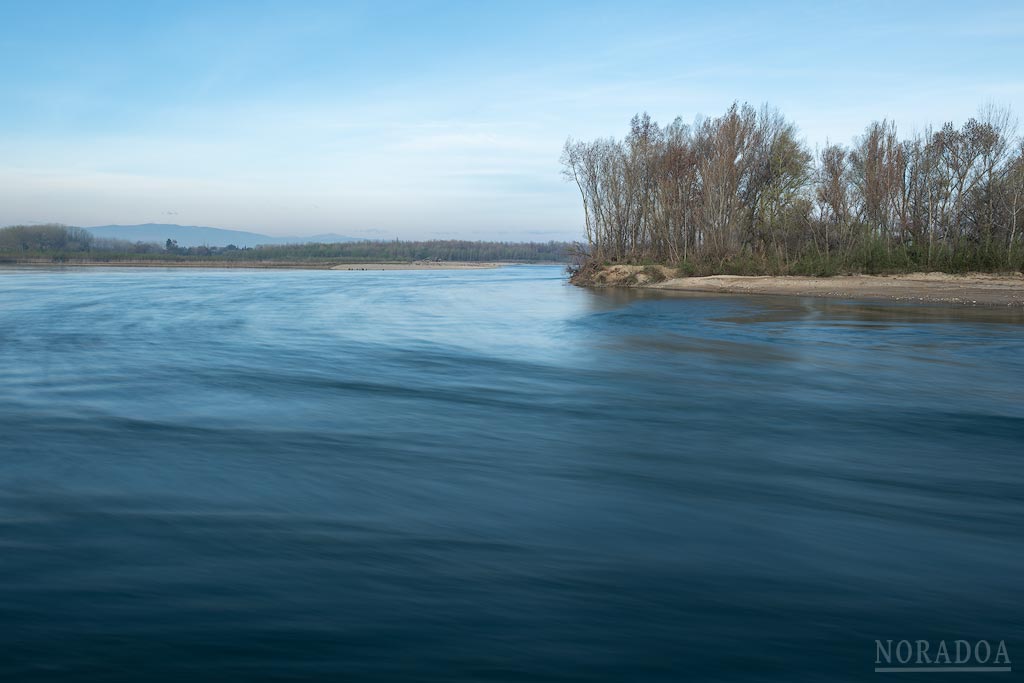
{"x": 475, "y": 475}
{"x": 771, "y": 308}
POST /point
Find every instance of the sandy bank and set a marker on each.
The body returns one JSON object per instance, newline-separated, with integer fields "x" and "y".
{"x": 971, "y": 289}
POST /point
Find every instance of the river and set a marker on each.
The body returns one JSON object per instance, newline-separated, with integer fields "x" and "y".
{"x": 492, "y": 475}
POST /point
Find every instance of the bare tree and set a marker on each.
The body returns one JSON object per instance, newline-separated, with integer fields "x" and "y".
{"x": 744, "y": 186}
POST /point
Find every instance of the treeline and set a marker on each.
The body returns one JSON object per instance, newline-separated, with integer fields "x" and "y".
{"x": 53, "y": 239}
{"x": 400, "y": 250}
{"x": 741, "y": 193}
{"x": 59, "y": 243}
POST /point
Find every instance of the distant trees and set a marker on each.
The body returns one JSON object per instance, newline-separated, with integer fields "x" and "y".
{"x": 38, "y": 238}
{"x": 398, "y": 250}
{"x": 54, "y": 240}
{"x": 58, "y": 242}
{"x": 743, "y": 192}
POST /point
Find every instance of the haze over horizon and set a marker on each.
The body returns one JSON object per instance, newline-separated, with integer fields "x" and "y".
{"x": 445, "y": 120}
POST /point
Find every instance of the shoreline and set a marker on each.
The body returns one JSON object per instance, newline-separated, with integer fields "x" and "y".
{"x": 420, "y": 265}
{"x": 264, "y": 265}
{"x": 972, "y": 289}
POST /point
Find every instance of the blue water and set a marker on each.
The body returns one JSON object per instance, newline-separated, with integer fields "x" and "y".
{"x": 233, "y": 475}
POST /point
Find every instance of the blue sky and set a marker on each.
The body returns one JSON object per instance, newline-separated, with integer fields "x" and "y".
{"x": 421, "y": 120}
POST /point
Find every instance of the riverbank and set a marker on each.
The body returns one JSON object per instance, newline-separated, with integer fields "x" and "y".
{"x": 289, "y": 265}
{"x": 973, "y": 289}
{"x": 419, "y": 265}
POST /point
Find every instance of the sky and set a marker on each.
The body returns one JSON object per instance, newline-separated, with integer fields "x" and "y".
{"x": 422, "y": 120}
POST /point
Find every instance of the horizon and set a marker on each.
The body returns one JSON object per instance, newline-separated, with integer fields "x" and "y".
{"x": 436, "y": 121}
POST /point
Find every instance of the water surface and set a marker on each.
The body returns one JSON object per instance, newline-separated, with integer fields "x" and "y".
{"x": 490, "y": 475}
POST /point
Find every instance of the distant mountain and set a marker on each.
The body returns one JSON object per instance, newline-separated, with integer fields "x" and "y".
{"x": 198, "y": 236}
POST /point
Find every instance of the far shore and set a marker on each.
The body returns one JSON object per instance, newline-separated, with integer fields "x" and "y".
{"x": 419, "y": 265}
{"x": 289, "y": 265}
{"x": 972, "y": 289}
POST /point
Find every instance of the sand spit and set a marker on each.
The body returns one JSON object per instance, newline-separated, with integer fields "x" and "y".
{"x": 977, "y": 289}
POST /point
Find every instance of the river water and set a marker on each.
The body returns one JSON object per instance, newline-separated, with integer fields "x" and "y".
{"x": 491, "y": 475}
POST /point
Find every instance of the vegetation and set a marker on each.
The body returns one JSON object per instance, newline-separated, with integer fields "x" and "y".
{"x": 58, "y": 243}
{"x": 742, "y": 194}
{"x": 60, "y": 239}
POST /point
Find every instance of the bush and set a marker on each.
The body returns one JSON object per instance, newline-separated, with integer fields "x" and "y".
{"x": 654, "y": 274}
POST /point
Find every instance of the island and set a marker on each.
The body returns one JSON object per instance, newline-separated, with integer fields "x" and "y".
{"x": 739, "y": 204}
